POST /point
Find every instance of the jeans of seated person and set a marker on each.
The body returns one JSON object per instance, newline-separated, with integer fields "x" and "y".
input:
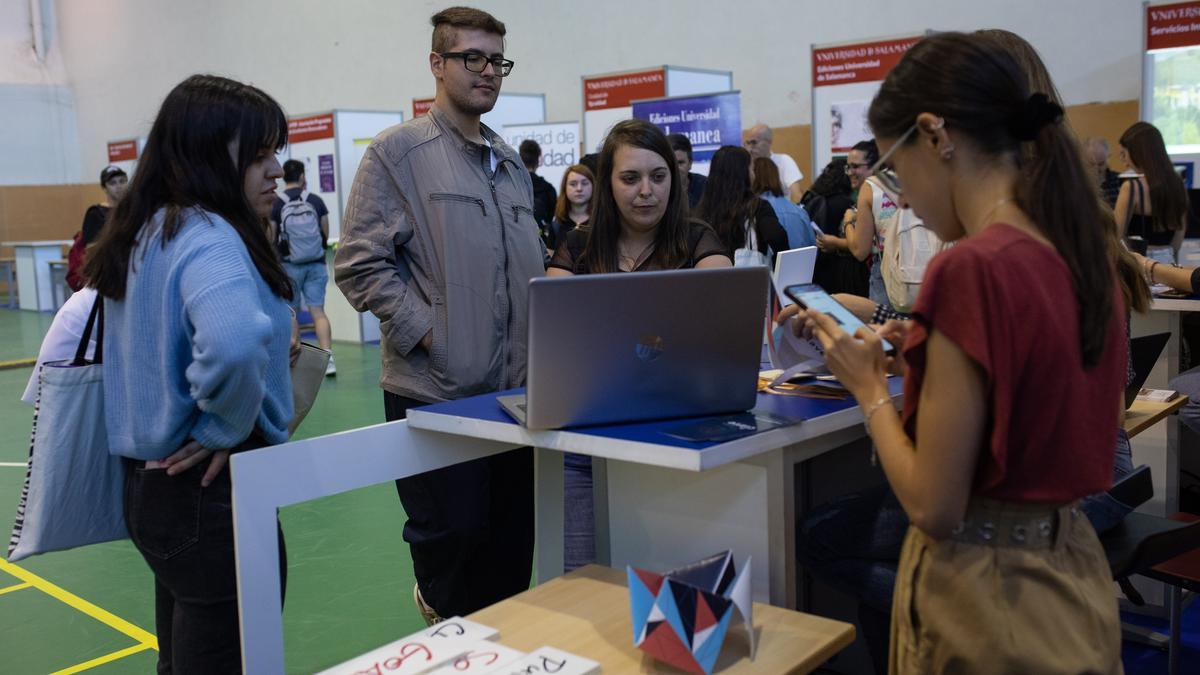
{"x": 579, "y": 532}
{"x": 853, "y": 544}
{"x": 1188, "y": 384}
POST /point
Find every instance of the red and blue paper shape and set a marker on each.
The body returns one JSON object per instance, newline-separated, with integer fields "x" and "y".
{"x": 681, "y": 617}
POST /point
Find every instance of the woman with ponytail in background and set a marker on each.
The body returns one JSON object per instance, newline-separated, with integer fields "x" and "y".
{"x": 1014, "y": 369}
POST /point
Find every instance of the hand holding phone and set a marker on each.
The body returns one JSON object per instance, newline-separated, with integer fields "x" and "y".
{"x": 812, "y": 296}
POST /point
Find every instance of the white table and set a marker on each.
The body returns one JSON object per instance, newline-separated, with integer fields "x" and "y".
{"x": 34, "y": 286}
{"x": 658, "y": 504}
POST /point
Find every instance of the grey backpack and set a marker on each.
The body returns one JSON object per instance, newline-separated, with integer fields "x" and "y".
{"x": 300, "y": 239}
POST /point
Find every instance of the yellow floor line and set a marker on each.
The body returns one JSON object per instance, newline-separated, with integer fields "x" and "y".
{"x": 107, "y": 658}
{"x": 16, "y": 587}
{"x": 105, "y": 617}
{"x": 18, "y": 363}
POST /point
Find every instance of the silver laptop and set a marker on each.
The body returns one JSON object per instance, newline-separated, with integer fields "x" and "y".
{"x": 610, "y": 348}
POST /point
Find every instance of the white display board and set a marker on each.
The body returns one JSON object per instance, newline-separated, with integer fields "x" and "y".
{"x": 608, "y": 97}
{"x": 331, "y": 145}
{"x": 559, "y": 142}
{"x": 845, "y": 79}
{"x": 1170, "y": 85}
{"x": 513, "y": 109}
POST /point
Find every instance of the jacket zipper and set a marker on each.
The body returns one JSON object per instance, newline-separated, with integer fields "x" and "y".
{"x": 447, "y": 197}
{"x": 504, "y": 346}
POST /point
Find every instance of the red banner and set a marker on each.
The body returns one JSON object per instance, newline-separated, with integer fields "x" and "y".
{"x": 866, "y": 62}
{"x": 1169, "y": 26}
{"x": 122, "y": 151}
{"x": 618, "y": 91}
{"x": 421, "y": 106}
{"x": 311, "y": 128}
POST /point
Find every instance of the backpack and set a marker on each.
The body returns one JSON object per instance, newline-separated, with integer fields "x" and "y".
{"x": 748, "y": 255}
{"x": 299, "y": 239}
{"x": 907, "y": 248}
{"x": 75, "y": 260}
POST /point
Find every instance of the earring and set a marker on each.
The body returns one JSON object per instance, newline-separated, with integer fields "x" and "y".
{"x": 948, "y": 151}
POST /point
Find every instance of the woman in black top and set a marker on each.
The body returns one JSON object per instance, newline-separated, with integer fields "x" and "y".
{"x": 1153, "y": 205}
{"x": 640, "y": 219}
{"x": 732, "y": 208}
{"x": 574, "y": 206}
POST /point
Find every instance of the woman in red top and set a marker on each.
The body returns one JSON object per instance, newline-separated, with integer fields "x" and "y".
{"x": 1015, "y": 367}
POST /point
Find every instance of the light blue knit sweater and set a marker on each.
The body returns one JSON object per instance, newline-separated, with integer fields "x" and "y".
{"x": 198, "y": 348}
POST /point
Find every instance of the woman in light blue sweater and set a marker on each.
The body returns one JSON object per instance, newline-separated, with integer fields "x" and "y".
{"x": 196, "y": 361}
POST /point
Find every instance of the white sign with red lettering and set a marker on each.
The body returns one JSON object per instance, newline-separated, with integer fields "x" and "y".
{"x": 484, "y": 657}
{"x": 549, "y": 660}
{"x": 420, "y": 652}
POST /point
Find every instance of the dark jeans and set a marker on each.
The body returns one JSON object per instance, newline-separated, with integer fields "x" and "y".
{"x": 470, "y": 526}
{"x": 853, "y": 544}
{"x": 579, "y": 522}
{"x": 185, "y": 533}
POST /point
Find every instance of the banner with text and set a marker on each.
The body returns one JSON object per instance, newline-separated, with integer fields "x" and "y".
{"x": 709, "y": 121}
{"x": 310, "y": 128}
{"x": 618, "y": 91}
{"x": 866, "y": 62}
{"x": 421, "y": 106}
{"x": 1171, "y": 26}
{"x": 122, "y": 151}
{"x": 559, "y": 142}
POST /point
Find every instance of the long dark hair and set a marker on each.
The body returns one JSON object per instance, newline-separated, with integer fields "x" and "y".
{"x": 833, "y": 180}
{"x": 186, "y": 163}
{"x": 979, "y": 89}
{"x": 728, "y": 200}
{"x": 671, "y": 239}
{"x": 766, "y": 177}
{"x": 1168, "y": 197}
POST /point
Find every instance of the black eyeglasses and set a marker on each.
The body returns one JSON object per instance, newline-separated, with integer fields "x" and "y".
{"x": 477, "y": 63}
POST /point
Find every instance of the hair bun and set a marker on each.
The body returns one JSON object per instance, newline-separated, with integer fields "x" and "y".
{"x": 1036, "y": 112}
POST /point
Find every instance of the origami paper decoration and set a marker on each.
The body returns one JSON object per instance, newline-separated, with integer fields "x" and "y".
{"x": 681, "y": 617}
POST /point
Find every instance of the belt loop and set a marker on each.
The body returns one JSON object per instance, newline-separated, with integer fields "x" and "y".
{"x": 1066, "y": 520}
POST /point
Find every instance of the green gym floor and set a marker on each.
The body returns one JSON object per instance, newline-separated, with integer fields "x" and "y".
{"x": 92, "y": 609}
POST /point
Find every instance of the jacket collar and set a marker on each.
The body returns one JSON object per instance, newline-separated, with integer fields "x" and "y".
{"x": 446, "y": 125}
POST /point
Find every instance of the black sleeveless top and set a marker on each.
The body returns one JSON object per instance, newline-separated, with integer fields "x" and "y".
{"x": 702, "y": 243}
{"x": 1142, "y": 225}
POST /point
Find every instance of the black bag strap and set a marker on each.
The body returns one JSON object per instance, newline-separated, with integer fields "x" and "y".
{"x": 81, "y": 351}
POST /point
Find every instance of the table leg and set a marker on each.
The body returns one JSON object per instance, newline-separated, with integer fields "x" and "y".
{"x": 548, "y": 509}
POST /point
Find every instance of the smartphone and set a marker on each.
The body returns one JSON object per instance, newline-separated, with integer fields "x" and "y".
{"x": 812, "y": 296}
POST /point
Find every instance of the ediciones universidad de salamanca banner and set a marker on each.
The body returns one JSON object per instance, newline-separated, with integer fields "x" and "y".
{"x": 709, "y": 121}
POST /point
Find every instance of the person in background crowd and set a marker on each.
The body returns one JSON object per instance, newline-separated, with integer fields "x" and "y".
{"x": 1096, "y": 153}
{"x": 544, "y": 196}
{"x": 692, "y": 182}
{"x": 196, "y": 355}
{"x": 758, "y": 141}
{"x": 792, "y": 217}
{"x": 449, "y": 283}
{"x": 115, "y": 182}
{"x": 1154, "y": 204}
{"x": 830, "y": 204}
{"x": 591, "y": 161}
{"x": 308, "y": 278}
{"x": 640, "y": 222}
{"x": 1002, "y": 514}
{"x": 734, "y": 211}
{"x": 874, "y": 213}
{"x": 574, "y": 206}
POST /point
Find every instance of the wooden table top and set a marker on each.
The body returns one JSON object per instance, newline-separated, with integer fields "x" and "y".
{"x": 1144, "y": 414}
{"x": 587, "y": 613}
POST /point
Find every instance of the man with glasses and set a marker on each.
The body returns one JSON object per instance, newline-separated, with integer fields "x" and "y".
{"x": 1096, "y": 154}
{"x": 758, "y": 142}
{"x": 440, "y": 243}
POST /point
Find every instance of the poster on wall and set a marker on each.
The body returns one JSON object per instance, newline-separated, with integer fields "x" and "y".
{"x": 421, "y": 106}
{"x": 1171, "y": 96}
{"x": 125, "y": 153}
{"x": 608, "y": 99}
{"x": 559, "y": 142}
{"x": 845, "y": 78}
{"x": 709, "y": 121}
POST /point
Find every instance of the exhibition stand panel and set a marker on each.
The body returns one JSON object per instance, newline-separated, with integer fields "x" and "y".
{"x": 845, "y": 78}
{"x": 124, "y": 153}
{"x": 608, "y": 98}
{"x": 331, "y": 145}
{"x": 1171, "y": 80}
{"x": 708, "y": 120}
{"x": 510, "y": 108}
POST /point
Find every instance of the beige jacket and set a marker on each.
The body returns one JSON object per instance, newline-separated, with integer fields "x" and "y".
{"x": 434, "y": 239}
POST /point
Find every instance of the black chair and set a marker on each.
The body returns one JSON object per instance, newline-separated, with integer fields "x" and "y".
{"x": 1164, "y": 549}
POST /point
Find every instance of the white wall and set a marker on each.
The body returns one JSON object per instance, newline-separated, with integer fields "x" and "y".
{"x": 38, "y": 142}
{"x": 124, "y": 55}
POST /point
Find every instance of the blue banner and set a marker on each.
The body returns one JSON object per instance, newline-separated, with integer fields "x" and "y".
{"x": 708, "y": 121}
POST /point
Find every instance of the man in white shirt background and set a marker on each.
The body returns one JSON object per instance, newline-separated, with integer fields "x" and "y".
{"x": 758, "y": 142}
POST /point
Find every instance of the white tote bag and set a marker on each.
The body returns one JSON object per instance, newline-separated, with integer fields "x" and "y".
{"x": 73, "y": 487}
{"x": 748, "y": 255}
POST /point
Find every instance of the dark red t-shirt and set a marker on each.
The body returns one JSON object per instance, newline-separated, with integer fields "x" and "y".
{"x": 1007, "y": 300}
